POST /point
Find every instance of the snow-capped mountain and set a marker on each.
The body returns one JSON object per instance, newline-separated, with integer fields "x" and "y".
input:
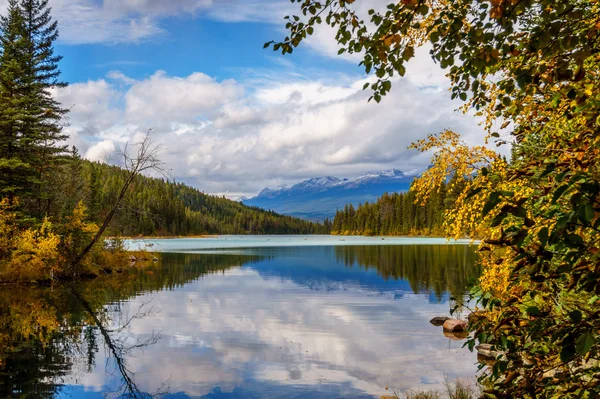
{"x": 320, "y": 197}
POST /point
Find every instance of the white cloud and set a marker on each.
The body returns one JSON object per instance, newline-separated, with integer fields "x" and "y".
{"x": 161, "y": 97}
{"x": 120, "y": 77}
{"x": 213, "y": 333}
{"x": 131, "y": 21}
{"x": 101, "y": 151}
{"x": 233, "y": 138}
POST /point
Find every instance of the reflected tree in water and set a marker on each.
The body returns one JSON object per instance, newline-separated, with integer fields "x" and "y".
{"x": 439, "y": 268}
{"x": 47, "y": 333}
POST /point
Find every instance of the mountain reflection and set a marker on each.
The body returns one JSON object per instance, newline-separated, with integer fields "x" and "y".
{"x": 300, "y": 322}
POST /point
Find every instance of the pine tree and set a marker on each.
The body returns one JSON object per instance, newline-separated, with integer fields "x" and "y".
{"x": 17, "y": 176}
{"x": 44, "y": 114}
{"x": 30, "y": 118}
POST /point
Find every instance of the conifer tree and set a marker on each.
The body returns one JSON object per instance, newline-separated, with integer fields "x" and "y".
{"x": 30, "y": 125}
{"x": 43, "y": 125}
{"x": 16, "y": 174}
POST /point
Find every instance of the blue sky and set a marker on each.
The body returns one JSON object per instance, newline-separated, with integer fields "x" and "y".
{"x": 231, "y": 117}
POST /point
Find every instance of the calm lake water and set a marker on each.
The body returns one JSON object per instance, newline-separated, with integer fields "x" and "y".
{"x": 240, "y": 317}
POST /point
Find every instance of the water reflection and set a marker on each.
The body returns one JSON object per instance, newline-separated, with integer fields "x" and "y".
{"x": 279, "y": 322}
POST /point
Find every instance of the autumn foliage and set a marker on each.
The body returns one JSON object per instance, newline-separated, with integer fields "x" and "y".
{"x": 530, "y": 71}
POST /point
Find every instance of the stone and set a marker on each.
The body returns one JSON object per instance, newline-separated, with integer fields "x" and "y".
{"x": 455, "y": 325}
{"x": 439, "y": 320}
{"x": 485, "y": 351}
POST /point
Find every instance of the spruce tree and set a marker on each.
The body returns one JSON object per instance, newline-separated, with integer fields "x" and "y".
{"x": 30, "y": 126}
{"x": 17, "y": 176}
{"x": 43, "y": 125}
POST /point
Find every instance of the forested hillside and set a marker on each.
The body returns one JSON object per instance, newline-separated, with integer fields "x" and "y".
{"x": 160, "y": 207}
{"x": 56, "y": 208}
{"x": 396, "y": 214}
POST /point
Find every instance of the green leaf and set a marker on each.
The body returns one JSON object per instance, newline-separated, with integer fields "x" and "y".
{"x": 473, "y": 192}
{"x": 543, "y": 235}
{"x": 586, "y": 213}
{"x": 519, "y": 212}
{"x": 584, "y": 343}
{"x": 533, "y": 311}
{"x": 549, "y": 168}
{"x": 575, "y": 239}
{"x": 567, "y": 353}
{"x": 423, "y": 9}
{"x": 498, "y": 219}
{"x": 491, "y": 203}
{"x": 559, "y": 192}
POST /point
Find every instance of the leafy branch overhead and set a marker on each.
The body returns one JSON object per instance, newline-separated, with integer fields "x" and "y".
{"x": 529, "y": 68}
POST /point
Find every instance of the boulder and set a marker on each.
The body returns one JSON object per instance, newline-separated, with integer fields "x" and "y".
{"x": 439, "y": 320}
{"x": 455, "y": 325}
{"x": 485, "y": 351}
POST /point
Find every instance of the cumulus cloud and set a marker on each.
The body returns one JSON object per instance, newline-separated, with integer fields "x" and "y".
{"x": 161, "y": 97}
{"x": 284, "y": 333}
{"x": 101, "y": 151}
{"x": 235, "y": 138}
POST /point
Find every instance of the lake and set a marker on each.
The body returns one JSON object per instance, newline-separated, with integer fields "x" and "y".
{"x": 245, "y": 317}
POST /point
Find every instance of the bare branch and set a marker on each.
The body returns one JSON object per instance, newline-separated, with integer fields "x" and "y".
{"x": 145, "y": 158}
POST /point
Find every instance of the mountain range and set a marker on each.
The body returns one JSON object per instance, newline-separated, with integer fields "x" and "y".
{"x": 319, "y": 198}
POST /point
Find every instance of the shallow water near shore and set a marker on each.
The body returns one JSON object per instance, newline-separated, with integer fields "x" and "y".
{"x": 268, "y": 241}
{"x": 247, "y": 321}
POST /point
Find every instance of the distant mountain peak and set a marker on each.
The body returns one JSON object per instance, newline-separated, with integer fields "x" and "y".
{"x": 319, "y": 197}
{"x": 386, "y": 173}
{"x": 318, "y": 182}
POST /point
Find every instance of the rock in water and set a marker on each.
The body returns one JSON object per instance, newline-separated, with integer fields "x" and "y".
{"x": 455, "y": 325}
{"x": 485, "y": 350}
{"x": 439, "y": 320}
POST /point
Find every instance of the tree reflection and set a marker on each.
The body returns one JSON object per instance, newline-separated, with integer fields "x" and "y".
{"x": 437, "y": 268}
{"x": 47, "y": 333}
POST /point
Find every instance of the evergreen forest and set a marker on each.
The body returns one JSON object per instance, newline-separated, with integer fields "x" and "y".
{"x": 396, "y": 214}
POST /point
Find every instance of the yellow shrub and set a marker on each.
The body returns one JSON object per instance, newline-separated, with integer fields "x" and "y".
{"x": 36, "y": 254}
{"x": 77, "y": 233}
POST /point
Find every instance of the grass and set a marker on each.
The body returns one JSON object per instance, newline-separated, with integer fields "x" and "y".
{"x": 460, "y": 389}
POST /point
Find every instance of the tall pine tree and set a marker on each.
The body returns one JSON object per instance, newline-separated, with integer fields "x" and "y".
{"x": 30, "y": 126}
{"x": 17, "y": 176}
{"x": 43, "y": 125}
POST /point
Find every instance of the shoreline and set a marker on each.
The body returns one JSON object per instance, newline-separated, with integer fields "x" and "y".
{"x": 163, "y": 237}
{"x": 285, "y": 235}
